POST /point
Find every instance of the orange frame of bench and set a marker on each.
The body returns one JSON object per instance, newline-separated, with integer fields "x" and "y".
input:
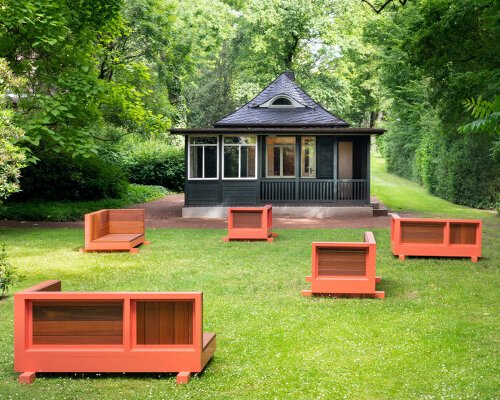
{"x": 436, "y": 237}
{"x": 105, "y": 332}
{"x": 250, "y": 223}
{"x": 114, "y": 230}
{"x": 344, "y": 269}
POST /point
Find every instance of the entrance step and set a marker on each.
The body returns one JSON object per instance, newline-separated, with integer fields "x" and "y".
{"x": 375, "y": 205}
{"x": 380, "y": 212}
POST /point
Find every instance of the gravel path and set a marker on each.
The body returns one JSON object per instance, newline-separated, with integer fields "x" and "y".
{"x": 167, "y": 213}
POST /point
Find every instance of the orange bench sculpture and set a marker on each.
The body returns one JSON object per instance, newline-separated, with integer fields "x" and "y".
{"x": 436, "y": 237}
{"x": 344, "y": 269}
{"x": 58, "y": 331}
{"x": 250, "y": 223}
{"x": 114, "y": 230}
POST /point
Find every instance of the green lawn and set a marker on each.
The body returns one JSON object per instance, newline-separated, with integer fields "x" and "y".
{"x": 435, "y": 335}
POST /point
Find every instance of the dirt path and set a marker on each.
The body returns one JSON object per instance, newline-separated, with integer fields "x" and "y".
{"x": 167, "y": 213}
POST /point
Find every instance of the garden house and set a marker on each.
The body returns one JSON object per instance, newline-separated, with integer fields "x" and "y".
{"x": 281, "y": 148}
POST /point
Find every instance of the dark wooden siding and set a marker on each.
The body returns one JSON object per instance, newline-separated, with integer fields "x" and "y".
{"x": 324, "y": 161}
{"x": 239, "y": 192}
{"x": 202, "y": 192}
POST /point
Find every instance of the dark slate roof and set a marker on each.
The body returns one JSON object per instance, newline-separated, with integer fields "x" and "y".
{"x": 312, "y": 115}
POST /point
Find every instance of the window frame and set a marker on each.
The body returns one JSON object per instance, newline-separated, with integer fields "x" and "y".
{"x": 302, "y": 147}
{"x": 281, "y": 146}
{"x": 239, "y": 145}
{"x": 203, "y": 160}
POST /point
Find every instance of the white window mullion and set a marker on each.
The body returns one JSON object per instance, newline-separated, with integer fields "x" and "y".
{"x": 203, "y": 162}
{"x": 239, "y": 161}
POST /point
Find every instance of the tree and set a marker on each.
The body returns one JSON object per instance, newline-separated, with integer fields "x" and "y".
{"x": 12, "y": 157}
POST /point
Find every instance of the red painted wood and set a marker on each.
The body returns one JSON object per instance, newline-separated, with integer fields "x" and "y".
{"x": 344, "y": 269}
{"x": 250, "y": 223}
{"x": 75, "y": 345}
{"x": 436, "y": 237}
{"x": 114, "y": 230}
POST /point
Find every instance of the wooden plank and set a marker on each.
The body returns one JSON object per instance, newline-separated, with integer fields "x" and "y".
{"x": 422, "y": 232}
{"x": 117, "y": 237}
{"x": 76, "y": 303}
{"x": 126, "y": 215}
{"x": 166, "y": 322}
{"x": 99, "y": 224}
{"x": 78, "y": 340}
{"x": 77, "y": 313}
{"x": 151, "y": 322}
{"x": 247, "y": 219}
{"x": 183, "y": 322}
{"x": 463, "y": 233}
{"x": 140, "y": 322}
{"x": 77, "y": 328}
{"x": 341, "y": 262}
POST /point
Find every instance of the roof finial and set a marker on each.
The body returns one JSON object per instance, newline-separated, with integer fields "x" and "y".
{"x": 290, "y": 75}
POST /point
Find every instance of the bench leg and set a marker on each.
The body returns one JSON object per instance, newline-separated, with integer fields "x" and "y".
{"x": 27, "y": 377}
{"x": 473, "y": 259}
{"x": 146, "y": 242}
{"x": 379, "y": 295}
{"x": 83, "y": 251}
{"x": 226, "y": 239}
{"x": 274, "y": 234}
{"x": 401, "y": 257}
{"x": 270, "y": 239}
{"x": 183, "y": 377}
{"x": 307, "y": 293}
{"x": 378, "y": 279}
{"x": 133, "y": 250}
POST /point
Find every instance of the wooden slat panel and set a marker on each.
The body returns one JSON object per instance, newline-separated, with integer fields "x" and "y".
{"x": 247, "y": 219}
{"x": 125, "y": 215}
{"x": 75, "y": 303}
{"x": 166, "y": 322}
{"x": 78, "y": 340}
{"x": 183, "y": 322}
{"x": 78, "y": 313}
{"x": 341, "y": 262}
{"x": 99, "y": 225}
{"x": 463, "y": 233}
{"x": 140, "y": 322}
{"x": 77, "y": 328}
{"x": 422, "y": 232}
{"x": 151, "y": 322}
{"x": 133, "y": 227}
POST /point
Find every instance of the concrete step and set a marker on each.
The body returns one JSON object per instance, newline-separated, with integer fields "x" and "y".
{"x": 380, "y": 212}
{"x": 375, "y": 205}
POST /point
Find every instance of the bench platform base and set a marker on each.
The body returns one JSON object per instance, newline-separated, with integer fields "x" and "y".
{"x": 27, "y": 377}
{"x": 376, "y": 295}
{"x": 183, "y": 377}
{"x": 269, "y": 239}
{"x": 402, "y": 257}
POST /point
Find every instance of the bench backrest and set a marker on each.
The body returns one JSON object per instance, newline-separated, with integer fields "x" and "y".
{"x": 100, "y": 223}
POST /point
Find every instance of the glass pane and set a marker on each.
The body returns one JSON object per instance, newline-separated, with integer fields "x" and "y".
{"x": 281, "y": 140}
{"x": 273, "y": 161}
{"x": 308, "y": 157}
{"x": 288, "y": 161}
{"x": 210, "y": 161}
{"x": 240, "y": 140}
{"x": 282, "y": 101}
{"x": 203, "y": 140}
{"x": 247, "y": 161}
{"x": 230, "y": 161}
{"x": 196, "y": 162}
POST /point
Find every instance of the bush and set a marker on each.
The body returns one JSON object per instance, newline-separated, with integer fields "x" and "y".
{"x": 60, "y": 177}
{"x": 42, "y": 210}
{"x": 154, "y": 163}
{"x": 8, "y": 273}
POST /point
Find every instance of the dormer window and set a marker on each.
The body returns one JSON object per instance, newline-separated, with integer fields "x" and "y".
{"x": 282, "y": 101}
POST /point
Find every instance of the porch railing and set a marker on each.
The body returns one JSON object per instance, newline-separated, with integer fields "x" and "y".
{"x": 317, "y": 190}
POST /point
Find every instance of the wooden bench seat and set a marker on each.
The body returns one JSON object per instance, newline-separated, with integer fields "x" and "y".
{"x": 114, "y": 230}
{"x": 62, "y": 332}
{"x": 250, "y": 223}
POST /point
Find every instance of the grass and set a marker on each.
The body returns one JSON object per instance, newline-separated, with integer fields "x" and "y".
{"x": 434, "y": 336}
{"x": 41, "y": 210}
{"x": 400, "y": 194}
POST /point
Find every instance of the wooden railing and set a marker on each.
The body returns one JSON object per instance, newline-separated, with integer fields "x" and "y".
{"x": 315, "y": 190}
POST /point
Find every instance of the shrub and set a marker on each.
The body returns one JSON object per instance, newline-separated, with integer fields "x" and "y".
{"x": 8, "y": 273}
{"x": 152, "y": 162}
{"x": 59, "y": 176}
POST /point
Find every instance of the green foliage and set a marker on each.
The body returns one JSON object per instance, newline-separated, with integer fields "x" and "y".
{"x": 8, "y": 273}
{"x": 62, "y": 177}
{"x": 62, "y": 211}
{"x": 12, "y": 157}
{"x": 153, "y": 162}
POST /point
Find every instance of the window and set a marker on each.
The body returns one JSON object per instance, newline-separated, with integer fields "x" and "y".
{"x": 240, "y": 161}
{"x": 202, "y": 154}
{"x": 281, "y": 101}
{"x": 280, "y": 157}
{"x": 308, "y": 157}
